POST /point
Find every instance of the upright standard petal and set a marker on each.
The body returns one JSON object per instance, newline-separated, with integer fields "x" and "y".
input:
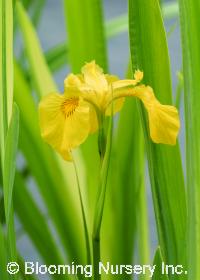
{"x": 94, "y": 77}
{"x": 64, "y": 122}
{"x": 72, "y": 81}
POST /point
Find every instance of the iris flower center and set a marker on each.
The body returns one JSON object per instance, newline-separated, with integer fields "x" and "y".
{"x": 69, "y": 106}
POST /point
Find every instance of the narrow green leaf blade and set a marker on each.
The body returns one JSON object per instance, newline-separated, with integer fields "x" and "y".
{"x": 149, "y": 53}
{"x": 8, "y": 182}
{"x": 158, "y": 260}
{"x": 6, "y": 70}
{"x": 190, "y": 22}
{"x": 39, "y": 69}
{"x": 57, "y": 57}
{"x": 119, "y": 24}
{"x": 10, "y": 160}
{"x": 3, "y": 255}
{"x": 85, "y": 28}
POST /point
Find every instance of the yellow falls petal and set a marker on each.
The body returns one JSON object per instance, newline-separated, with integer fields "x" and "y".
{"x": 52, "y": 122}
{"x": 77, "y": 126}
{"x": 64, "y": 123}
{"x": 164, "y": 122}
{"x": 94, "y": 77}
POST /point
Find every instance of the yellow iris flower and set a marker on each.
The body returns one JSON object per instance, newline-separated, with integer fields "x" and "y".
{"x": 66, "y": 120}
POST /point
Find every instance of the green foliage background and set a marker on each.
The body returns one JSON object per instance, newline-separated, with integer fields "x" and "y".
{"x": 25, "y": 79}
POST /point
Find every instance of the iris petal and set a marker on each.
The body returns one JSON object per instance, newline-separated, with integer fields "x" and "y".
{"x": 164, "y": 122}
{"x": 72, "y": 81}
{"x": 63, "y": 130}
{"x": 94, "y": 77}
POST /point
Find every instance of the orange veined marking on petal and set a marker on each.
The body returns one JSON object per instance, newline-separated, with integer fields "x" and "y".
{"x": 69, "y": 106}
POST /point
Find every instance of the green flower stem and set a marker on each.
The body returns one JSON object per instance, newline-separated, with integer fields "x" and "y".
{"x": 97, "y": 227}
{"x": 96, "y": 257}
{"x": 105, "y": 146}
{"x": 86, "y": 232}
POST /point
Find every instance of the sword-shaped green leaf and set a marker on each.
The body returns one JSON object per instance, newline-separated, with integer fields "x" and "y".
{"x": 44, "y": 83}
{"x": 10, "y": 160}
{"x": 6, "y": 70}
{"x": 3, "y": 255}
{"x": 149, "y": 53}
{"x": 190, "y": 22}
{"x": 158, "y": 260}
